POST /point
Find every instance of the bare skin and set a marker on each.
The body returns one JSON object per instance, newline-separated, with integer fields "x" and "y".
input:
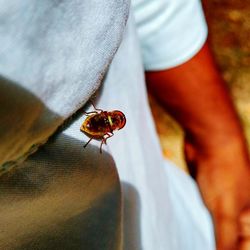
{"x": 216, "y": 153}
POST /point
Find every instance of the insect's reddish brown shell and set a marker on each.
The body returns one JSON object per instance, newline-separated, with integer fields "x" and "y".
{"x": 119, "y": 119}
{"x": 95, "y": 125}
{"x": 100, "y": 124}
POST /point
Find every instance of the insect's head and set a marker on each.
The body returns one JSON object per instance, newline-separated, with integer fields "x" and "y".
{"x": 118, "y": 119}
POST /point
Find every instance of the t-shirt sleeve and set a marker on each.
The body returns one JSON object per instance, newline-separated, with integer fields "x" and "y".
{"x": 170, "y": 31}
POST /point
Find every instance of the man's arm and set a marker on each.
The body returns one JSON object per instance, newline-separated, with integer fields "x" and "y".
{"x": 196, "y": 96}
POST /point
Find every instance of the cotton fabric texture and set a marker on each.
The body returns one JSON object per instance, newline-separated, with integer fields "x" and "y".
{"x": 67, "y": 197}
{"x": 162, "y": 205}
{"x": 170, "y": 32}
{"x": 53, "y": 56}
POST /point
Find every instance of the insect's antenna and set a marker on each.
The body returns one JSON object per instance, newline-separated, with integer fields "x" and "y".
{"x": 88, "y": 142}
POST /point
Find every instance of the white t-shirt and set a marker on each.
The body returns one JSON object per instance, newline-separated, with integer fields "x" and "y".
{"x": 163, "y": 209}
{"x": 170, "y": 31}
{"x": 162, "y": 206}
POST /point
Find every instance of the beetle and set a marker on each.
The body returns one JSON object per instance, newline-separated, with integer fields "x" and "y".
{"x": 100, "y": 124}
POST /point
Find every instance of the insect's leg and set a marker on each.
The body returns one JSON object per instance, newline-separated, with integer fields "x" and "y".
{"x": 91, "y": 112}
{"x": 104, "y": 139}
{"x": 96, "y": 107}
{"x": 88, "y": 142}
{"x": 109, "y": 134}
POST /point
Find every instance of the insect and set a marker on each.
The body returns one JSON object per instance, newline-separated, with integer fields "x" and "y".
{"x": 100, "y": 124}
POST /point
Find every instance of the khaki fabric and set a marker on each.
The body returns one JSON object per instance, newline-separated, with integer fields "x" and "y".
{"x": 61, "y": 197}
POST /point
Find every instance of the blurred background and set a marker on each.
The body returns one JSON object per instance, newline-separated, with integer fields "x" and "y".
{"x": 229, "y": 38}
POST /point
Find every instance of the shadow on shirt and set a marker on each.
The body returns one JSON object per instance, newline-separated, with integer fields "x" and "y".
{"x": 62, "y": 196}
{"x": 131, "y": 219}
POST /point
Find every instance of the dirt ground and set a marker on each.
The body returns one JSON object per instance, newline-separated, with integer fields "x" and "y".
{"x": 229, "y": 36}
